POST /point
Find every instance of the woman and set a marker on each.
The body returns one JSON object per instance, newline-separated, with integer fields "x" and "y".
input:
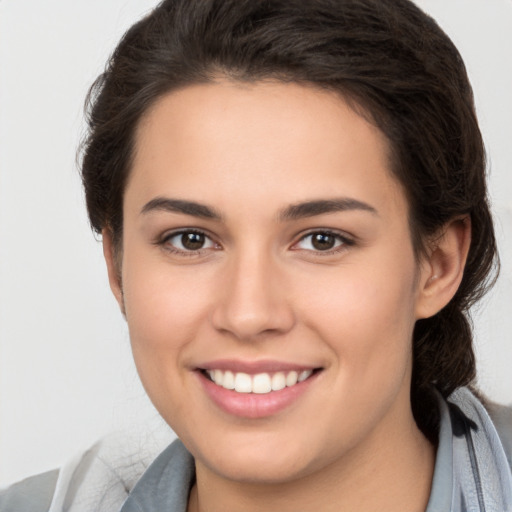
{"x": 294, "y": 215}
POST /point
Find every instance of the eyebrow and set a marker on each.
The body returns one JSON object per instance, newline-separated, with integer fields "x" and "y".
{"x": 321, "y": 206}
{"x": 292, "y": 212}
{"x": 181, "y": 206}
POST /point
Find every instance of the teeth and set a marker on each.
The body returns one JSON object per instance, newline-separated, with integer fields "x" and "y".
{"x": 260, "y": 383}
{"x": 291, "y": 379}
{"x": 243, "y": 383}
{"x": 303, "y": 375}
{"x": 228, "y": 381}
{"x": 278, "y": 381}
{"x": 217, "y": 376}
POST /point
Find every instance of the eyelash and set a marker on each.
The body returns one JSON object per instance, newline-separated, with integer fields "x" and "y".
{"x": 343, "y": 242}
{"x": 165, "y": 242}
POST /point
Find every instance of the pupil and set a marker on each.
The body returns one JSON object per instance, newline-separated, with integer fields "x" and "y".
{"x": 192, "y": 241}
{"x": 323, "y": 241}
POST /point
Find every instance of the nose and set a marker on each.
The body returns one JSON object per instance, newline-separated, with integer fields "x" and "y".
{"x": 253, "y": 301}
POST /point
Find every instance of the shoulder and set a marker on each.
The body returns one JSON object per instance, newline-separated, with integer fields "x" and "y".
{"x": 33, "y": 494}
{"x": 501, "y": 416}
{"x": 495, "y": 420}
{"x": 98, "y": 479}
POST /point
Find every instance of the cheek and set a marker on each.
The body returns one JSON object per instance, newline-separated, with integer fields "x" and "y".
{"x": 163, "y": 314}
{"x": 366, "y": 319}
{"x": 162, "y": 307}
{"x": 366, "y": 312}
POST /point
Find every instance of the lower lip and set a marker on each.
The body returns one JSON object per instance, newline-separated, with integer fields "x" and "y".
{"x": 254, "y": 405}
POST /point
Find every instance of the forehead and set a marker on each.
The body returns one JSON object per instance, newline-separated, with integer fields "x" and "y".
{"x": 265, "y": 140}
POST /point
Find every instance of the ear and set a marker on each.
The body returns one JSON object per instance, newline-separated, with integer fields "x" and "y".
{"x": 113, "y": 267}
{"x": 443, "y": 267}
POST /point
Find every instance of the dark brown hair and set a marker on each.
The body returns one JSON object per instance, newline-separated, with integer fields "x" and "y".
{"x": 388, "y": 58}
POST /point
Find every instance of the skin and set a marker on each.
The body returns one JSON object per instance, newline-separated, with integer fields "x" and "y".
{"x": 258, "y": 290}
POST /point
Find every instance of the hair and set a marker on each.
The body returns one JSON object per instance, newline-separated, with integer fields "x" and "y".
{"x": 386, "y": 57}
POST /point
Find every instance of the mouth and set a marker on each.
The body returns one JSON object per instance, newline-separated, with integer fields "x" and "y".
{"x": 260, "y": 383}
{"x": 248, "y": 391}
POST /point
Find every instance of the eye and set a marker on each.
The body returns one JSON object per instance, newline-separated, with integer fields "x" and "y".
{"x": 189, "y": 241}
{"x": 322, "y": 241}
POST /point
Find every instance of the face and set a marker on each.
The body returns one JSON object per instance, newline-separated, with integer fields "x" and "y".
{"x": 267, "y": 249}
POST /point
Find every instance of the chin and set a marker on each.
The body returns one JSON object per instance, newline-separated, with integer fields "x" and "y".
{"x": 271, "y": 470}
{"x": 259, "y": 459}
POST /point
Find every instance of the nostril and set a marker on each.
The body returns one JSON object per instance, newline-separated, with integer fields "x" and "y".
{"x": 249, "y": 322}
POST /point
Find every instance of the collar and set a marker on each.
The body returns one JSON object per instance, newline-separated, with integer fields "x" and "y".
{"x": 471, "y": 472}
{"x": 166, "y": 484}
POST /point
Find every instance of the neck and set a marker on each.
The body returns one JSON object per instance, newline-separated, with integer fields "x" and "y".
{"x": 393, "y": 472}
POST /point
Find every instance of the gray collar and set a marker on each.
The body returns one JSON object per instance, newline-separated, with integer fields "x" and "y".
{"x": 481, "y": 478}
{"x": 165, "y": 485}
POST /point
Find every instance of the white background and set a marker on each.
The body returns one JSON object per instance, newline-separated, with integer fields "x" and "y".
{"x": 66, "y": 376}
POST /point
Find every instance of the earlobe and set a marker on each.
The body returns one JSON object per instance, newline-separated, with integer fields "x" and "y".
{"x": 113, "y": 267}
{"x": 442, "y": 269}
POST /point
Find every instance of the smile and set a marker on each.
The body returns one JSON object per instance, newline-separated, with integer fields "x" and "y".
{"x": 261, "y": 383}
{"x": 256, "y": 390}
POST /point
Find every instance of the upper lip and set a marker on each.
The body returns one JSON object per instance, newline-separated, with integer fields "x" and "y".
{"x": 254, "y": 367}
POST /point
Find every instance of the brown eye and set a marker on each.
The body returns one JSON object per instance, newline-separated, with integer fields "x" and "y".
{"x": 323, "y": 241}
{"x": 189, "y": 242}
{"x": 193, "y": 241}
